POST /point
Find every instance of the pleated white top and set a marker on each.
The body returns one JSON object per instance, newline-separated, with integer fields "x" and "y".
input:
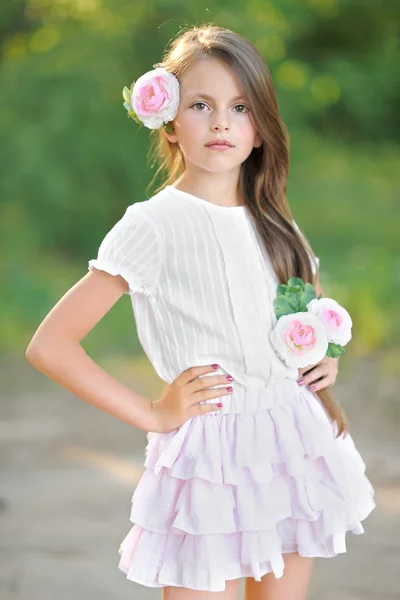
{"x": 201, "y": 286}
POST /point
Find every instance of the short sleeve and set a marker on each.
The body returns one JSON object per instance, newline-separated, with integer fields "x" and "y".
{"x": 132, "y": 249}
{"x": 313, "y": 266}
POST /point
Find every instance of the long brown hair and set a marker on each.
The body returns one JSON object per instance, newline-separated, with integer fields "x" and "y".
{"x": 264, "y": 173}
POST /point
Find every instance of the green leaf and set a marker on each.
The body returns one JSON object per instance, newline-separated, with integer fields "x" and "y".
{"x": 294, "y": 289}
{"x": 335, "y": 350}
{"x": 282, "y": 307}
{"x": 294, "y": 302}
{"x": 126, "y": 93}
{"x": 282, "y": 287}
{"x": 296, "y": 281}
{"x": 309, "y": 288}
{"x": 296, "y": 295}
{"x": 133, "y": 115}
{"x": 309, "y": 294}
{"x": 302, "y": 306}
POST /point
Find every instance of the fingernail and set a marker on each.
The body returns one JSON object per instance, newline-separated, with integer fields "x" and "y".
{"x": 229, "y": 377}
{"x": 219, "y": 404}
{"x": 229, "y": 388}
{"x": 313, "y": 387}
{"x": 215, "y": 366}
{"x": 300, "y": 381}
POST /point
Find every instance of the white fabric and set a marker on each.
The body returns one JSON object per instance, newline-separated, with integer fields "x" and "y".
{"x": 201, "y": 286}
{"x": 227, "y": 493}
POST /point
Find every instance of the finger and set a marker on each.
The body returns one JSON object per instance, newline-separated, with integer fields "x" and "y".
{"x": 314, "y": 375}
{"x": 212, "y": 392}
{"x": 302, "y": 370}
{"x": 321, "y": 384}
{"x": 202, "y": 409}
{"x": 193, "y": 373}
{"x": 207, "y": 381}
{"x": 306, "y": 369}
{"x": 305, "y": 374}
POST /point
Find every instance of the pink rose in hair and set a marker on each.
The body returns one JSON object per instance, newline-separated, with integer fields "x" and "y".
{"x": 154, "y": 98}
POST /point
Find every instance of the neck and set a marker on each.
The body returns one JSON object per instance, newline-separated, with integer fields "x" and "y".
{"x": 221, "y": 192}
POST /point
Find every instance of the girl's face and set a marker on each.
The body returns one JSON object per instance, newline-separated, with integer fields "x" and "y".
{"x": 212, "y": 106}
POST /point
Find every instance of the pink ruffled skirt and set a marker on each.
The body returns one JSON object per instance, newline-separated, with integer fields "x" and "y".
{"x": 226, "y": 494}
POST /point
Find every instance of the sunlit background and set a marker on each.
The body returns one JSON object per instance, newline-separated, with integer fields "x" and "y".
{"x": 71, "y": 162}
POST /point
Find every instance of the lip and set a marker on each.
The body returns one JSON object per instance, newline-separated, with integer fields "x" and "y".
{"x": 220, "y": 144}
{"x": 219, "y": 147}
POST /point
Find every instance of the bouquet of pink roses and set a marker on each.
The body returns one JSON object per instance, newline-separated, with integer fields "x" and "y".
{"x": 308, "y": 327}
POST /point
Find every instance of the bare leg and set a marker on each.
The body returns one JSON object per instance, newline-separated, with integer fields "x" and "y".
{"x": 180, "y": 593}
{"x": 293, "y": 585}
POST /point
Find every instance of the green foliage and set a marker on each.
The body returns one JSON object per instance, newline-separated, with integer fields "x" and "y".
{"x": 293, "y": 297}
{"x": 334, "y": 350}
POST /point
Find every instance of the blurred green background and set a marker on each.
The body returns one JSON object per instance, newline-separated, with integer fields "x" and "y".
{"x": 71, "y": 161}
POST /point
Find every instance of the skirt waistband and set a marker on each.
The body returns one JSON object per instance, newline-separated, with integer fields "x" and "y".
{"x": 248, "y": 400}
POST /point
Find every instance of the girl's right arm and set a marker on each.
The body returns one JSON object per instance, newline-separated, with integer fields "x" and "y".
{"x": 55, "y": 350}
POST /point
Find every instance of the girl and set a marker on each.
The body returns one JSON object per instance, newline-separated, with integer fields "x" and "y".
{"x": 249, "y": 471}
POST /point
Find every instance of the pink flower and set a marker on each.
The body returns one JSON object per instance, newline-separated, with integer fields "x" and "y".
{"x": 335, "y": 318}
{"x": 154, "y": 98}
{"x": 300, "y": 339}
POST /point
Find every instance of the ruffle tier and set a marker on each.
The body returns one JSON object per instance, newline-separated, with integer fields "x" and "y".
{"x": 226, "y": 495}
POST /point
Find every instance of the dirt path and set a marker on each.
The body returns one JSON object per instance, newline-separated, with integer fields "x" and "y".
{"x": 67, "y": 472}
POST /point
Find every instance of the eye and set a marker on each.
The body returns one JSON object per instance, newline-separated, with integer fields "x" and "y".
{"x": 196, "y": 104}
{"x": 246, "y": 109}
{"x": 244, "y": 106}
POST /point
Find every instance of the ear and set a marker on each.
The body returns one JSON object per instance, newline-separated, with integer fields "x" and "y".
{"x": 169, "y": 132}
{"x": 257, "y": 141}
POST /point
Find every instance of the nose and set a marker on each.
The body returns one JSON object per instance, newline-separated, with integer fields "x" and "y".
{"x": 220, "y": 123}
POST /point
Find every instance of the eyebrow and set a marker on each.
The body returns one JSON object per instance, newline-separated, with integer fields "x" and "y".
{"x": 207, "y": 97}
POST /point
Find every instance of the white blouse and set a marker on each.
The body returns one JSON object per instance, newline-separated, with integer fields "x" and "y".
{"x": 201, "y": 284}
